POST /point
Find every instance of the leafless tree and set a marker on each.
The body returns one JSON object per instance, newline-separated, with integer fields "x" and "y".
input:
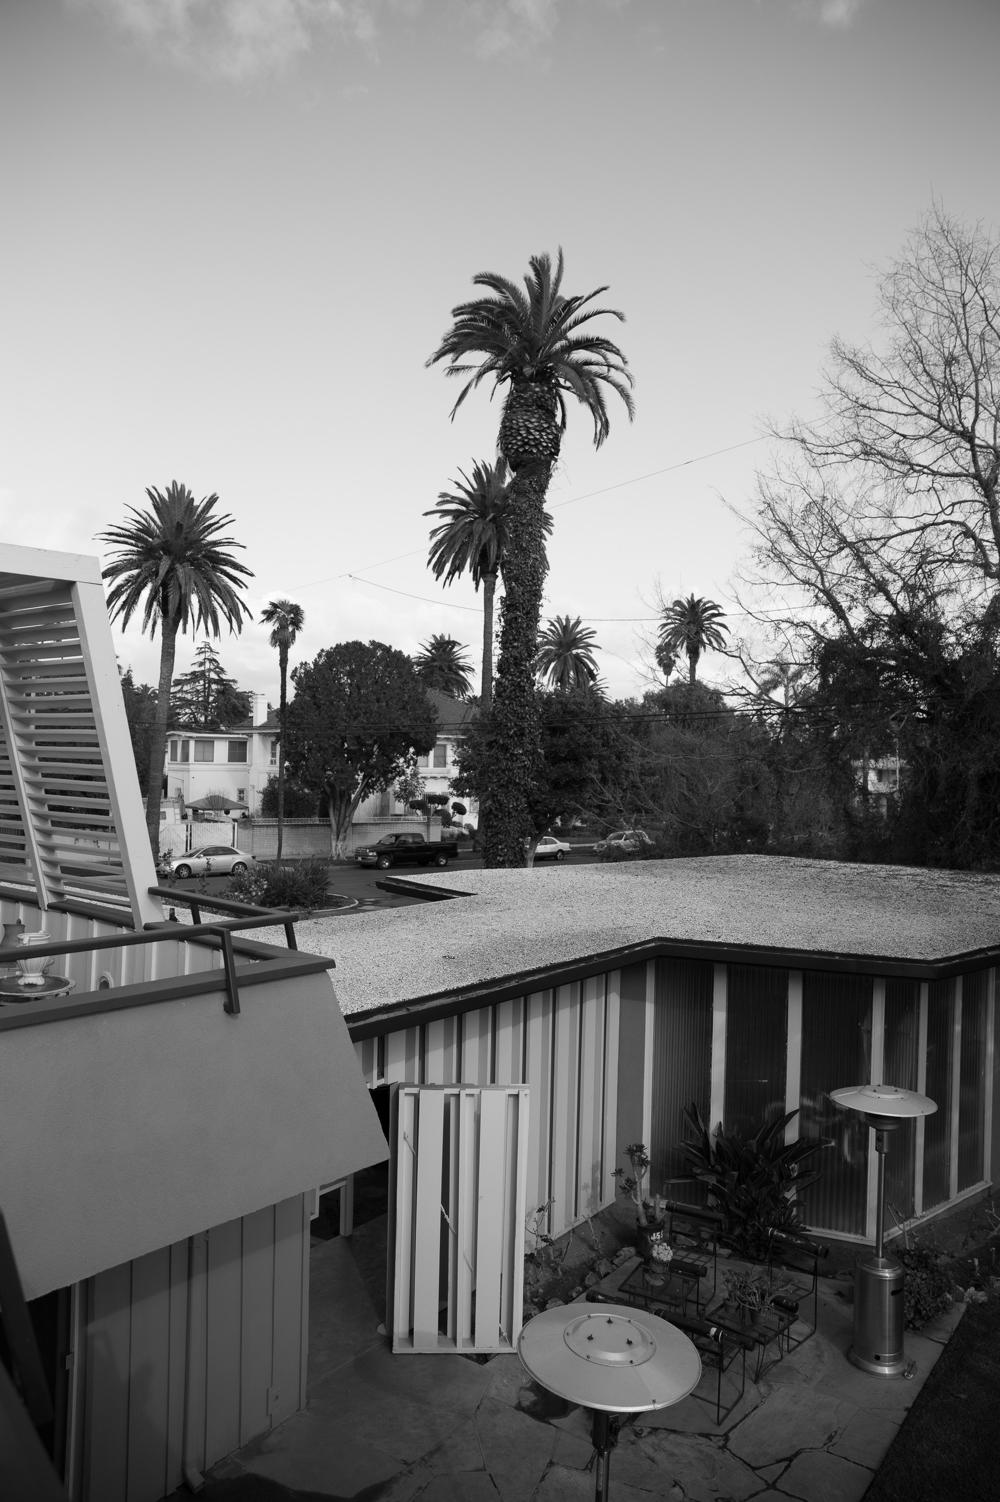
{"x": 889, "y": 503}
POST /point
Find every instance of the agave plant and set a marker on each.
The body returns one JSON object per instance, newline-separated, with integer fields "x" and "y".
{"x": 753, "y": 1181}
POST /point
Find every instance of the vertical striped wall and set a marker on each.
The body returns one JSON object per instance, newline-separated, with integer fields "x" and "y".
{"x": 190, "y": 1352}
{"x": 614, "y": 1059}
{"x": 563, "y": 1043}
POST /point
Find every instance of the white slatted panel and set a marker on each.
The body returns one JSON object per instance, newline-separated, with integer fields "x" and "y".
{"x": 460, "y": 1180}
{"x": 60, "y": 813}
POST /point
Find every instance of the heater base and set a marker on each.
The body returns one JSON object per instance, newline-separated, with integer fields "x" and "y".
{"x": 902, "y": 1367}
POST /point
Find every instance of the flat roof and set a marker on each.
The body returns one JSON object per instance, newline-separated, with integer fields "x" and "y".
{"x": 505, "y": 926}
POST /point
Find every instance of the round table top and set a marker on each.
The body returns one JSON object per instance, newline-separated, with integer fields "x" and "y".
{"x": 610, "y": 1357}
{"x": 11, "y": 988}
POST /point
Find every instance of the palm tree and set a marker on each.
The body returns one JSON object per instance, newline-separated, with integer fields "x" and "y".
{"x": 472, "y": 538}
{"x": 442, "y": 664}
{"x": 286, "y": 620}
{"x": 692, "y": 626}
{"x": 566, "y": 654}
{"x": 534, "y": 344}
{"x": 172, "y": 561}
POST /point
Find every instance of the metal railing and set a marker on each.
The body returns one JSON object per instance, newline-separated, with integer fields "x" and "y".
{"x": 222, "y": 932}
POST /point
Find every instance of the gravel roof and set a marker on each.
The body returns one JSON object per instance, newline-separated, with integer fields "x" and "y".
{"x": 511, "y": 923}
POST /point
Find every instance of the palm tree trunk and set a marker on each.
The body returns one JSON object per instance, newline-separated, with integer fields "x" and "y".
{"x": 516, "y": 741}
{"x": 158, "y": 732}
{"x": 282, "y": 707}
{"x": 486, "y": 690}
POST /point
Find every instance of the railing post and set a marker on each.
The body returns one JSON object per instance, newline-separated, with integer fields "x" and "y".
{"x": 232, "y": 1001}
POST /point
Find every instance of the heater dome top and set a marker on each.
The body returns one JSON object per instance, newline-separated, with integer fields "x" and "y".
{"x": 883, "y": 1100}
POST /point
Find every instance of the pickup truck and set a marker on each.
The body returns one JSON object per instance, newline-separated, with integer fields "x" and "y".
{"x": 406, "y": 850}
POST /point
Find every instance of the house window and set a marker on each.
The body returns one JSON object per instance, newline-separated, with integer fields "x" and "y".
{"x": 274, "y": 750}
{"x": 237, "y": 750}
{"x": 440, "y": 754}
{"x": 204, "y": 750}
{"x": 185, "y": 750}
{"x": 173, "y": 751}
{"x": 241, "y": 794}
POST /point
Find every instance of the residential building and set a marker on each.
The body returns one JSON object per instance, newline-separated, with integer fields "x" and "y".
{"x": 610, "y": 998}
{"x": 234, "y": 764}
{"x": 158, "y": 1213}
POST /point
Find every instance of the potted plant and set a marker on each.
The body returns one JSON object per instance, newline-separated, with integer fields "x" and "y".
{"x": 747, "y": 1293}
{"x": 650, "y": 1226}
{"x": 756, "y": 1182}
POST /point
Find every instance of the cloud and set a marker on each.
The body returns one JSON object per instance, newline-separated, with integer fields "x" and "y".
{"x": 241, "y": 39}
{"x": 834, "y": 13}
{"x": 504, "y": 26}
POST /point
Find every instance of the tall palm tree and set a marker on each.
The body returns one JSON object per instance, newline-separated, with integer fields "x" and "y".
{"x": 566, "y": 653}
{"x": 172, "y": 560}
{"x": 442, "y": 664}
{"x": 286, "y": 620}
{"x": 534, "y": 344}
{"x": 472, "y": 538}
{"x": 693, "y": 626}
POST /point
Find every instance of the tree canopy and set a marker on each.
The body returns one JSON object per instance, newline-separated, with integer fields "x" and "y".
{"x": 206, "y": 697}
{"x": 877, "y": 552}
{"x": 172, "y": 561}
{"x": 566, "y": 653}
{"x": 442, "y": 663}
{"x": 357, "y": 720}
{"x": 692, "y": 626}
{"x": 535, "y": 343}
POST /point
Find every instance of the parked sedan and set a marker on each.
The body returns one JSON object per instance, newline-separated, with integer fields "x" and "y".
{"x": 623, "y": 842}
{"x": 210, "y": 860}
{"x": 549, "y": 848}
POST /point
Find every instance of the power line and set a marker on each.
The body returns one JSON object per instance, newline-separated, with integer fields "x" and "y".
{"x": 570, "y": 501}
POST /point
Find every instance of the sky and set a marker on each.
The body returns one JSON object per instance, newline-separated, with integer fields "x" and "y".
{"x": 234, "y": 231}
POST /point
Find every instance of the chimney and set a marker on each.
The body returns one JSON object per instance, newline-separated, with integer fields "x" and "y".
{"x": 259, "y": 708}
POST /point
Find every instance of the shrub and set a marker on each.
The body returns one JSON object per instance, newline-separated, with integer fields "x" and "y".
{"x": 271, "y": 885}
{"x": 926, "y": 1285}
{"x": 751, "y": 1180}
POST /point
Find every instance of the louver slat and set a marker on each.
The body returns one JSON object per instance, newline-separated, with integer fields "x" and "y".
{"x": 56, "y": 811}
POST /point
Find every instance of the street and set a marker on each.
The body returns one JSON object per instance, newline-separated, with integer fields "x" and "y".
{"x": 359, "y": 883}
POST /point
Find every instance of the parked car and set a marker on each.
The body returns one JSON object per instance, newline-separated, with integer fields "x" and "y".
{"x": 623, "y": 842}
{"x": 549, "y": 848}
{"x": 406, "y": 850}
{"x": 210, "y": 860}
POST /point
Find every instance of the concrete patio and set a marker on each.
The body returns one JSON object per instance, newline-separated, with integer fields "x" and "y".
{"x": 449, "y": 1428}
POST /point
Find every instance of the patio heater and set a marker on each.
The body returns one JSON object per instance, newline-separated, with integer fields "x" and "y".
{"x": 615, "y": 1360}
{"x": 878, "y": 1279}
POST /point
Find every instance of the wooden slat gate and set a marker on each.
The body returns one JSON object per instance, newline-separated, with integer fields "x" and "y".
{"x": 457, "y": 1201}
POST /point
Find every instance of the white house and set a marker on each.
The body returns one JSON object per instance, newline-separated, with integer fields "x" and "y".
{"x": 235, "y": 764}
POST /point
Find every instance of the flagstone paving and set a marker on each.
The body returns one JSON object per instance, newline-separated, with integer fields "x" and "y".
{"x": 444, "y": 1428}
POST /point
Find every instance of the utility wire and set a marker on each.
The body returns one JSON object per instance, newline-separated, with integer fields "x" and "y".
{"x": 570, "y": 501}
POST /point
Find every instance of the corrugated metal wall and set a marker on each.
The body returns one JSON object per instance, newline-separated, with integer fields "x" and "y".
{"x": 682, "y": 1065}
{"x": 564, "y": 1044}
{"x": 586, "y": 1102}
{"x": 195, "y": 1348}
